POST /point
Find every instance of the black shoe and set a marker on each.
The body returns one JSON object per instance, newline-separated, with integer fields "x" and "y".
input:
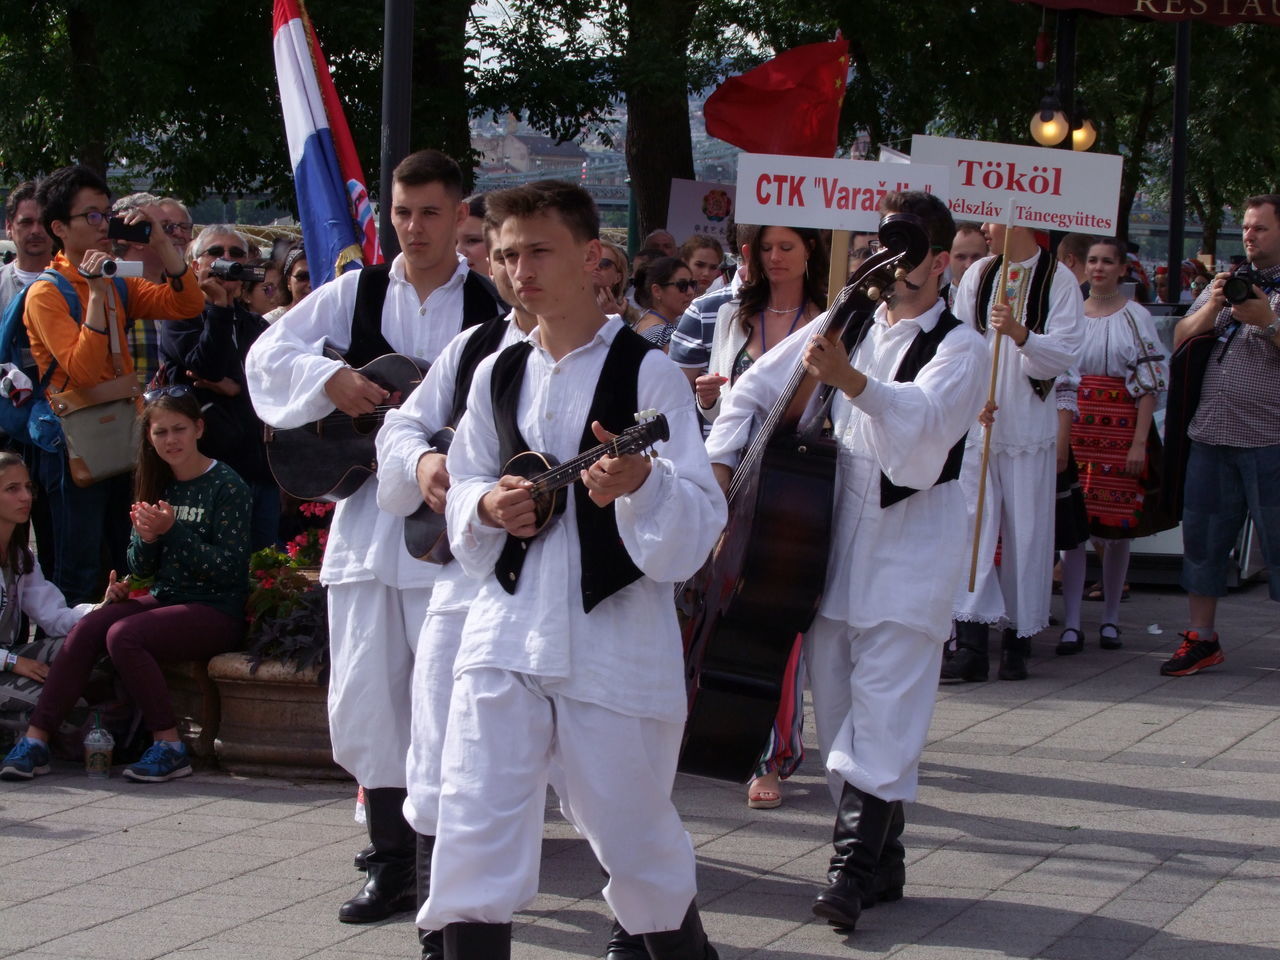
{"x": 391, "y": 887}
{"x": 688, "y": 942}
{"x": 1013, "y": 656}
{"x": 1109, "y": 641}
{"x": 841, "y": 903}
{"x": 965, "y": 666}
{"x": 625, "y": 946}
{"x": 431, "y": 941}
{"x": 1193, "y": 655}
{"x": 863, "y": 823}
{"x": 1068, "y": 646}
{"x": 891, "y": 870}
{"x": 362, "y": 858}
{"x": 477, "y": 941}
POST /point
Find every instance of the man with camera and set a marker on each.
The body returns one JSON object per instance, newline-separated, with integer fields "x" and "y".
{"x": 208, "y": 352}
{"x": 76, "y": 212}
{"x": 143, "y": 335}
{"x": 1234, "y": 462}
{"x": 34, "y": 246}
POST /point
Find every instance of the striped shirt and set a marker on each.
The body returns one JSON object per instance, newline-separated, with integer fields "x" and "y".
{"x": 691, "y": 340}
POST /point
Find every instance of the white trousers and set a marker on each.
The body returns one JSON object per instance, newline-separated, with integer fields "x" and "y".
{"x": 1019, "y": 512}
{"x": 373, "y": 629}
{"x": 873, "y": 695}
{"x": 504, "y": 732}
{"x": 432, "y": 689}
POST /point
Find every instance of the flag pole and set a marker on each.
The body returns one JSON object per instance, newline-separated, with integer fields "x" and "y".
{"x": 1002, "y": 297}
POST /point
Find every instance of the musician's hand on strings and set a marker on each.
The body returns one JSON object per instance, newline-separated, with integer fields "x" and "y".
{"x": 707, "y": 387}
{"x": 509, "y": 505}
{"x": 830, "y": 364}
{"x": 1003, "y": 321}
{"x": 353, "y": 393}
{"x": 987, "y": 415}
{"x": 612, "y": 477}
{"x": 433, "y": 480}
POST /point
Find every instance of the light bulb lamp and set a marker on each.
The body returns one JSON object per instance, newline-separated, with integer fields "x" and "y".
{"x": 1049, "y": 124}
{"x": 1083, "y": 133}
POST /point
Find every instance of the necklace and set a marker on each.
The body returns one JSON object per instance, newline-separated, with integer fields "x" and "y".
{"x": 1105, "y": 297}
{"x": 764, "y": 346}
{"x": 782, "y": 310}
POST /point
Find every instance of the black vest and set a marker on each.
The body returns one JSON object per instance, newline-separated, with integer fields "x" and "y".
{"x": 480, "y": 301}
{"x": 1037, "y": 305}
{"x": 922, "y": 350}
{"x": 478, "y": 346}
{"x": 606, "y": 565}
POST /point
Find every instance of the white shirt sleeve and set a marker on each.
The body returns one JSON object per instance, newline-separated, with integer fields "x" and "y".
{"x": 473, "y": 470}
{"x": 44, "y": 603}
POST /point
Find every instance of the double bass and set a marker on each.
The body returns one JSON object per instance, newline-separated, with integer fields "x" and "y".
{"x": 762, "y": 583}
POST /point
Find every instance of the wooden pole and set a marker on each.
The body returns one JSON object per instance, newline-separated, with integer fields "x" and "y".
{"x": 838, "y": 270}
{"x": 1002, "y": 296}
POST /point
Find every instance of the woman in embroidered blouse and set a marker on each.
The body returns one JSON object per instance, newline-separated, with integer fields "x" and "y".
{"x": 1122, "y": 372}
{"x": 664, "y": 288}
{"x": 191, "y": 540}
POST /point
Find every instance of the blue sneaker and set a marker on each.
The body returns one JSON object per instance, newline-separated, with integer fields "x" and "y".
{"x": 28, "y": 758}
{"x": 162, "y": 761}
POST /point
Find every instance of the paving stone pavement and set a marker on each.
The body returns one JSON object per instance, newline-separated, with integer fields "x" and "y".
{"x": 1096, "y": 811}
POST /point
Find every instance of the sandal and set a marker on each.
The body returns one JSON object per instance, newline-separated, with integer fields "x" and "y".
{"x": 762, "y": 798}
{"x": 1111, "y": 642}
{"x": 1065, "y": 647}
{"x": 1095, "y": 592}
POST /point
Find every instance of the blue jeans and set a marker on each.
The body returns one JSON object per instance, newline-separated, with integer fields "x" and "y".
{"x": 1223, "y": 484}
{"x": 90, "y": 525}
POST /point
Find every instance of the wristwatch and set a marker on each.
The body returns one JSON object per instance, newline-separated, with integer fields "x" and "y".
{"x": 1271, "y": 330}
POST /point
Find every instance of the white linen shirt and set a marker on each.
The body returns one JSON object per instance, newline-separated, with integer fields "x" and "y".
{"x": 626, "y": 654}
{"x": 1025, "y": 423}
{"x": 403, "y": 440}
{"x": 901, "y": 563}
{"x": 287, "y": 371}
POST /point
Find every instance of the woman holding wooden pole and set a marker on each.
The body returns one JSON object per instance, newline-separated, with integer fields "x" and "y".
{"x": 1029, "y": 308}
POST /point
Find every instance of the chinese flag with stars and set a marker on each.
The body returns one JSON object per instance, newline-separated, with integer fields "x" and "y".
{"x": 788, "y": 105}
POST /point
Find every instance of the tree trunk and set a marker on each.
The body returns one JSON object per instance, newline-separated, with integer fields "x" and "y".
{"x": 87, "y": 85}
{"x": 440, "y": 81}
{"x": 659, "y": 145}
{"x": 1132, "y": 175}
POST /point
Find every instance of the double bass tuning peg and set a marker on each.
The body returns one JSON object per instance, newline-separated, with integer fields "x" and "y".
{"x": 873, "y": 294}
{"x": 900, "y": 273}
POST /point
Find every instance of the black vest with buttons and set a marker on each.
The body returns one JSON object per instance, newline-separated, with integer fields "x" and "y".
{"x": 1037, "y": 303}
{"x": 606, "y": 565}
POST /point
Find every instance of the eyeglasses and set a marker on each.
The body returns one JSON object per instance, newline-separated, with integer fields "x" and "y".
{"x": 94, "y": 218}
{"x": 606, "y": 263}
{"x": 217, "y": 250}
{"x": 269, "y": 289}
{"x": 684, "y": 286}
{"x": 301, "y": 276}
{"x": 175, "y": 391}
{"x": 171, "y": 227}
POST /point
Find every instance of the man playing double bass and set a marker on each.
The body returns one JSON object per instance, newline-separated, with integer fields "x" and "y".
{"x": 905, "y": 397}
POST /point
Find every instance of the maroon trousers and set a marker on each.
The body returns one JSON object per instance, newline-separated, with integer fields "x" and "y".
{"x": 138, "y": 635}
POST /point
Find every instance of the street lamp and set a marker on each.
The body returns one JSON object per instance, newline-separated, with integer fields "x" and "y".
{"x": 1083, "y": 133}
{"x": 1049, "y": 124}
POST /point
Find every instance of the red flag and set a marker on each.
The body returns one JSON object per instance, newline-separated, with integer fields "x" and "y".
{"x": 788, "y": 105}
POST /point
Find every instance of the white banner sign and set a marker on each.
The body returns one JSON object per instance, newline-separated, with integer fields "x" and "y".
{"x": 827, "y": 194}
{"x": 698, "y": 206}
{"x": 1039, "y": 187}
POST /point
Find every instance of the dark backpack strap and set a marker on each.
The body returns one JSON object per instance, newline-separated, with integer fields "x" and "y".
{"x": 478, "y": 346}
{"x": 504, "y": 389}
{"x": 367, "y": 341}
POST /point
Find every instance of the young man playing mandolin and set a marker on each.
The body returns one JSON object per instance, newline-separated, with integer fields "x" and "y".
{"x": 570, "y": 654}
{"x": 904, "y": 401}
{"x": 377, "y": 593}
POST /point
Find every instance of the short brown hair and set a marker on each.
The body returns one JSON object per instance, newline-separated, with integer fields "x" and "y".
{"x": 1077, "y": 245}
{"x": 933, "y": 213}
{"x": 1264, "y": 198}
{"x": 701, "y": 241}
{"x": 429, "y": 166}
{"x": 570, "y": 202}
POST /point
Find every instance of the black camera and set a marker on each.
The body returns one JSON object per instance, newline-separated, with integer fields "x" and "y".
{"x": 235, "y": 270}
{"x": 1238, "y": 287}
{"x": 139, "y": 232}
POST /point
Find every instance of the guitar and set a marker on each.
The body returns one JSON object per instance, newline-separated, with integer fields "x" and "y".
{"x": 425, "y": 536}
{"x": 331, "y": 458}
{"x": 763, "y": 582}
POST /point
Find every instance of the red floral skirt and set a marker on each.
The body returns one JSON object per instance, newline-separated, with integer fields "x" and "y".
{"x": 1100, "y": 439}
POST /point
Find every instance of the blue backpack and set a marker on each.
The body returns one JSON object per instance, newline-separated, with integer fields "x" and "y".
{"x": 15, "y": 348}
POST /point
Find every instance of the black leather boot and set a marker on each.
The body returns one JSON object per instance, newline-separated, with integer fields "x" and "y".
{"x": 361, "y": 859}
{"x": 862, "y": 824}
{"x": 477, "y": 941}
{"x": 689, "y": 942}
{"x": 970, "y": 663}
{"x": 390, "y": 888}
{"x": 1013, "y": 655}
{"x": 431, "y": 941}
{"x": 891, "y": 871}
{"x": 623, "y": 945}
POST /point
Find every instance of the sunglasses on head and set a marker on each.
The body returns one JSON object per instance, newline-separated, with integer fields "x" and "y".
{"x": 684, "y": 286}
{"x": 175, "y": 391}
{"x": 217, "y": 250}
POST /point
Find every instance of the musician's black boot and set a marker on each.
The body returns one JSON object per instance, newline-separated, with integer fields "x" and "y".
{"x": 688, "y": 942}
{"x": 623, "y": 945}
{"x": 390, "y": 887}
{"x": 891, "y": 871}
{"x": 361, "y": 858}
{"x": 862, "y": 824}
{"x": 477, "y": 941}
{"x": 970, "y": 663}
{"x": 431, "y": 941}
{"x": 1013, "y": 655}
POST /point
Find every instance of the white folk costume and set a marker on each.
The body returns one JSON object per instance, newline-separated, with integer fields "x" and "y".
{"x": 874, "y": 649}
{"x": 541, "y": 681}
{"x": 402, "y": 441}
{"x": 1021, "y": 475}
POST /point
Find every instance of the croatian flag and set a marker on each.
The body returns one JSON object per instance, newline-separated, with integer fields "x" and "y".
{"x": 337, "y": 219}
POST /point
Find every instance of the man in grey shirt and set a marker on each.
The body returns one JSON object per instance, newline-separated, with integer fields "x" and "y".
{"x": 34, "y": 245}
